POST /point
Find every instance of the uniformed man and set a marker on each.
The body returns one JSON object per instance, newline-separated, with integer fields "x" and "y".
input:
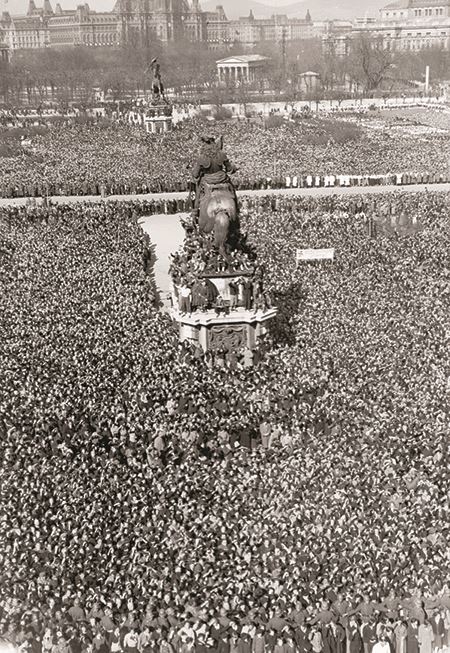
{"x": 212, "y": 166}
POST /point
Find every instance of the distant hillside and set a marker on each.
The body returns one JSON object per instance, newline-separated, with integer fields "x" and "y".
{"x": 320, "y": 9}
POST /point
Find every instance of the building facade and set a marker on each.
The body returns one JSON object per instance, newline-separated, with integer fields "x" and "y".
{"x": 217, "y": 29}
{"x": 249, "y": 31}
{"x": 82, "y": 27}
{"x": 194, "y": 23}
{"x": 4, "y": 47}
{"x": 27, "y": 32}
{"x": 44, "y": 27}
{"x": 415, "y": 25}
{"x": 242, "y": 68}
{"x": 405, "y": 25}
{"x": 141, "y": 22}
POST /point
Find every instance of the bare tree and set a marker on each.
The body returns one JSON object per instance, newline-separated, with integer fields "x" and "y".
{"x": 369, "y": 62}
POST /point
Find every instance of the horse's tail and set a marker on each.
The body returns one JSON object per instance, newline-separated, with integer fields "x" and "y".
{"x": 221, "y": 227}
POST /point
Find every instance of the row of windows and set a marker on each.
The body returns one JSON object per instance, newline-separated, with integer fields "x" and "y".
{"x": 439, "y": 11}
{"x": 418, "y": 44}
{"x": 100, "y": 39}
{"x": 100, "y": 19}
{"x": 418, "y": 34}
{"x": 421, "y": 45}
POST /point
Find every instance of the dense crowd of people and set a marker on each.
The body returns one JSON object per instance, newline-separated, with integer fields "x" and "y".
{"x": 153, "y": 501}
{"x": 95, "y": 159}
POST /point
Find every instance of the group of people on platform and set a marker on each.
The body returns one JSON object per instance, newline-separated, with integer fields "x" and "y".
{"x": 113, "y": 158}
{"x": 152, "y": 503}
{"x": 240, "y": 293}
{"x": 203, "y": 278}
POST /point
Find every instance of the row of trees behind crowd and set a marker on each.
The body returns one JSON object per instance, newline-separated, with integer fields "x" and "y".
{"x": 190, "y": 71}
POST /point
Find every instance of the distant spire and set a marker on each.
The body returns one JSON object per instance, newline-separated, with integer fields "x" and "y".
{"x": 308, "y": 17}
{"x": 31, "y": 8}
{"x": 251, "y": 16}
{"x": 47, "y": 8}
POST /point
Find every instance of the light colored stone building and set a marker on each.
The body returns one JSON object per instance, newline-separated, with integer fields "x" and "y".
{"x": 82, "y": 27}
{"x": 249, "y": 31}
{"x": 246, "y": 67}
{"x": 401, "y": 26}
{"x": 218, "y": 35}
{"x": 415, "y": 25}
{"x": 43, "y": 27}
{"x": 27, "y": 32}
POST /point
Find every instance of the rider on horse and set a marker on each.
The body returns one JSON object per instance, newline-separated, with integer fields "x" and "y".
{"x": 211, "y": 167}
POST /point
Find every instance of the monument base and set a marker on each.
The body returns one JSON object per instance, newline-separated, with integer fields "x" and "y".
{"x": 232, "y": 331}
{"x": 158, "y": 118}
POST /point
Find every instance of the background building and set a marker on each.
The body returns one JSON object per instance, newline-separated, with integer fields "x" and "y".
{"x": 44, "y": 27}
{"x": 247, "y": 67}
{"x": 140, "y": 22}
{"x": 249, "y": 31}
{"x": 194, "y": 23}
{"x": 415, "y": 25}
{"x": 4, "y": 46}
{"x": 29, "y": 31}
{"x": 82, "y": 27}
{"x": 403, "y": 25}
{"x": 217, "y": 29}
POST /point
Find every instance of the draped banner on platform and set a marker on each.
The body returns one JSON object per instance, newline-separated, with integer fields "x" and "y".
{"x": 314, "y": 255}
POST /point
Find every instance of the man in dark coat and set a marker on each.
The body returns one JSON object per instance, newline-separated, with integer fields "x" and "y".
{"x": 213, "y": 167}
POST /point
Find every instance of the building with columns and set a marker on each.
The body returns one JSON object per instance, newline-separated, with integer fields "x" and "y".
{"x": 245, "y": 67}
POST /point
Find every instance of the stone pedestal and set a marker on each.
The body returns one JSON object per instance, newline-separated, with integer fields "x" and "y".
{"x": 158, "y": 118}
{"x": 224, "y": 330}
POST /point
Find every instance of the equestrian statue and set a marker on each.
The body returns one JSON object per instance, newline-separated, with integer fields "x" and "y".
{"x": 215, "y": 207}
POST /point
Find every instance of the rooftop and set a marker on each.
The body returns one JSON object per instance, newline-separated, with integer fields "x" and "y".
{"x": 400, "y": 4}
{"x": 243, "y": 58}
{"x": 405, "y": 4}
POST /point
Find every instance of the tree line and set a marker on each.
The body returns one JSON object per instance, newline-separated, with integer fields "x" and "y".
{"x": 75, "y": 74}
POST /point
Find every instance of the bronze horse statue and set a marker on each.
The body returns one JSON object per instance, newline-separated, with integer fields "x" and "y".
{"x": 218, "y": 212}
